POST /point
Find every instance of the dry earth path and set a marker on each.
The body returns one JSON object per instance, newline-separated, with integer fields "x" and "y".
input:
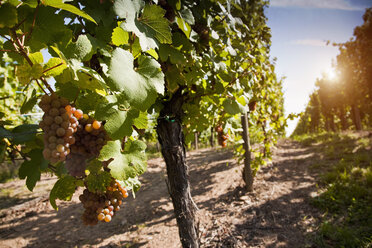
{"x": 276, "y": 214}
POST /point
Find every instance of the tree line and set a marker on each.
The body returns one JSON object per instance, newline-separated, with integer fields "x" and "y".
{"x": 345, "y": 102}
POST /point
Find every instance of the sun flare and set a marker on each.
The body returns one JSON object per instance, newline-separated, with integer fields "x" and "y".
{"x": 331, "y": 74}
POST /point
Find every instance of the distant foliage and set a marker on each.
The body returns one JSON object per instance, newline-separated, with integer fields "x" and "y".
{"x": 345, "y": 102}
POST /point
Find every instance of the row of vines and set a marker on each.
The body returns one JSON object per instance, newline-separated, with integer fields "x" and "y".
{"x": 345, "y": 102}
{"x": 81, "y": 81}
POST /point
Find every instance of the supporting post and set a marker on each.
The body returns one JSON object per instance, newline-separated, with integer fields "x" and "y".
{"x": 247, "y": 170}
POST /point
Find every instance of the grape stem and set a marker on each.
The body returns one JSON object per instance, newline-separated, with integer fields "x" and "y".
{"x": 53, "y": 67}
{"x": 34, "y": 21}
{"x": 15, "y": 148}
{"x": 8, "y": 51}
{"x": 40, "y": 86}
{"x": 19, "y": 46}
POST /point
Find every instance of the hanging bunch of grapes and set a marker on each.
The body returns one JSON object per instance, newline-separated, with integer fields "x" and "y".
{"x": 90, "y": 137}
{"x": 60, "y": 122}
{"x": 222, "y": 137}
{"x": 102, "y": 207}
{"x": 74, "y": 137}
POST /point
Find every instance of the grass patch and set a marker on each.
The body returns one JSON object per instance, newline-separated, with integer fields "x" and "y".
{"x": 345, "y": 180}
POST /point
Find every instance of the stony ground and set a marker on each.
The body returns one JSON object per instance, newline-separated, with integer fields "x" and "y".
{"x": 276, "y": 214}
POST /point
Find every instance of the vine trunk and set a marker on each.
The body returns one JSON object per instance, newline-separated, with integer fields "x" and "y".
{"x": 170, "y": 136}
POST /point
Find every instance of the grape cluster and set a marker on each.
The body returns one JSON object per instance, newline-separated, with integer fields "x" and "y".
{"x": 76, "y": 164}
{"x": 222, "y": 137}
{"x": 89, "y": 138}
{"x": 102, "y": 207}
{"x": 59, "y": 123}
{"x": 252, "y": 106}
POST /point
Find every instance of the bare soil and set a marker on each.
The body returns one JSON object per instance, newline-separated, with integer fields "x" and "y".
{"x": 276, "y": 214}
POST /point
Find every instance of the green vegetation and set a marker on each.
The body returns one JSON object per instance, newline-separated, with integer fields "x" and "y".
{"x": 344, "y": 102}
{"x": 345, "y": 186}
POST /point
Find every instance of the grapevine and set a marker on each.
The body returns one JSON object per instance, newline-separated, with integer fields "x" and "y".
{"x": 184, "y": 62}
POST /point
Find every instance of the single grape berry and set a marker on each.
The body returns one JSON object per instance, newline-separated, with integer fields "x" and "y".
{"x": 96, "y": 124}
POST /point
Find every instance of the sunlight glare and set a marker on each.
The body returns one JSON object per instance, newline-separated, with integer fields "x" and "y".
{"x": 331, "y": 74}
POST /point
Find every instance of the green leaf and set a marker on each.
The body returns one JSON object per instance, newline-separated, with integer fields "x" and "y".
{"x": 59, "y": 4}
{"x": 51, "y": 30}
{"x": 32, "y": 168}
{"x": 155, "y": 24}
{"x": 132, "y": 183}
{"x": 82, "y": 49}
{"x": 26, "y": 73}
{"x": 184, "y": 26}
{"x": 153, "y": 53}
{"x": 149, "y": 27}
{"x": 8, "y": 15}
{"x": 24, "y": 133}
{"x": 119, "y": 37}
{"x": 142, "y": 121}
{"x": 98, "y": 182}
{"x": 4, "y": 133}
{"x": 54, "y": 67}
{"x": 127, "y": 164}
{"x": 29, "y": 101}
{"x": 187, "y": 16}
{"x": 231, "y": 106}
{"x": 36, "y": 58}
{"x": 31, "y": 3}
{"x": 175, "y": 56}
{"x": 91, "y": 80}
{"x": 63, "y": 189}
{"x": 118, "y": 115}
{"x": 140, "y": 87}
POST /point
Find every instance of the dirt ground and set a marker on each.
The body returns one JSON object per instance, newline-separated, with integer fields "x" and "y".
{"x": 276, "y": 214}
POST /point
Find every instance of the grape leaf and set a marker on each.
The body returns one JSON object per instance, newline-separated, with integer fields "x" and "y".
{"x": 141, "y": 121}
{"x": 184, "y": 26}
{"x": 82, "y": 49}
{"x": 4, "y": 133}
{"x": 51, "y": 30}
{"x": 25, "y": 73}
{"x": 24, "y": 133}
{"x": 149, "y": 27}
{"x": 54, "y": 67}
{"x": 8, "y": 15}
{"x": 29, "y": 101}
{"x": 36, "y": 58}
{"x": 141, "y": 86}
{"x": 98, "y": 182}
{"x": 59, "y": 4}
{"x": 231, "y": 106}
{"x": 63, "y": 189}
{"x": 187, "y": 16}
{"x": 118, "y": 115}
{"x": 132, "y": 183}
{"x": 119, "y": 37}
{"x": 175, "y": 56}
{"x": 127, "y": 164}
{"x": 32, "y": 168}
{"x": 31, "y": 3}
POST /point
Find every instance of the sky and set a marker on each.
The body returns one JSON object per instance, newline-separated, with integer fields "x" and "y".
{"x": 300, "y": 30}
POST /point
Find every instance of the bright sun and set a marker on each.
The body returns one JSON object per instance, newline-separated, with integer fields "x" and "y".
{"x": 331, "y": 74}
